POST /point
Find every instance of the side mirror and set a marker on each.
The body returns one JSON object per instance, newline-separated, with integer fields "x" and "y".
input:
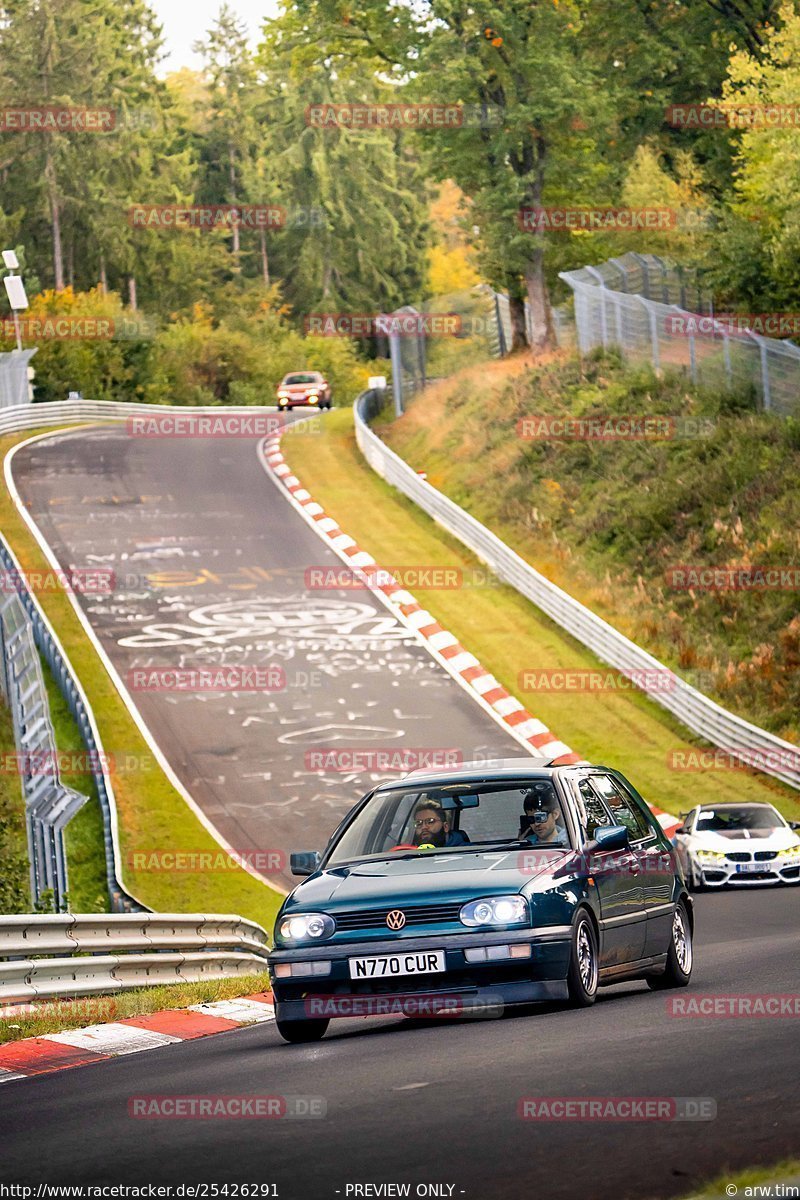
{"x": 794, "y": 824}
{"x": 304, "y": 862}
{"x": 681, "y": 829}
{"x": 608, "y": 837}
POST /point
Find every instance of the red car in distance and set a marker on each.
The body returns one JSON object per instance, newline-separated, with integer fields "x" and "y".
{"x": 304, "y": 387}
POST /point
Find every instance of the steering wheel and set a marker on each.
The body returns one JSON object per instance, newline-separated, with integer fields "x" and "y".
{"x": 404, "y": 846}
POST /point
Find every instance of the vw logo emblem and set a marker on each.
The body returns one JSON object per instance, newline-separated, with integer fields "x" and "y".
{"x": 396, "y": 919}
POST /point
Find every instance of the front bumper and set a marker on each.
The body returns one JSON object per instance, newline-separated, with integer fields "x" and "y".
{"x": 293, "y": 400}
{"x": 462, "y": 986}
{"x": 725, "y": 874}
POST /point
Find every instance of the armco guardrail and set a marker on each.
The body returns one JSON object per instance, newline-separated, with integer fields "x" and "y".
{"x": 49, "y": 805}
{"x": 111, "y": 953}
{"x": 77, "y": 412}
{"x": 739, "y": 738}
{"x": 49, "y": 647}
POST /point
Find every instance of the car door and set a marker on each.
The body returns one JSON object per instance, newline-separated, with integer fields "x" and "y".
{"x": 619, "y": 888}
{"x": 656, "y": 861}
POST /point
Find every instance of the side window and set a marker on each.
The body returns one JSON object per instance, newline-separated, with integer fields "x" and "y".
{"x": 623, "y": 809}
{"x": 595, "y": 811}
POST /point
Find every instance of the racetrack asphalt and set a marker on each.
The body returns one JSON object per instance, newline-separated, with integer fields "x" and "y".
{"x": 211, "y": 568}
{"x": 429, "y": 1102}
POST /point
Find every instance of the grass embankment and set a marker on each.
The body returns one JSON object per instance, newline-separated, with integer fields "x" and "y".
{"x": 14, "y": 872}
{"x": 152, "y": 814}
{"x": 608, "y": 520}
{"x": 745, "y": 1184}
{"x": 507, "y": 633}
{"x": 58, "y": 1015}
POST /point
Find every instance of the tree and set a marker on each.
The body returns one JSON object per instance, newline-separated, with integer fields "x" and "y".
{"x": 357, "y": 233}
{"x": 62, "y": 54}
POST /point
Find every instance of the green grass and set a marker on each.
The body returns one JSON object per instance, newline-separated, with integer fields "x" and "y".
{"x": 508, "y": 634}
{"x": 57, "y": 1015}
{"x": 152, "y": 814}
{"x": 14, "y": 872}
{"x": 606, "y": 520}
{"x": 787, "y": 1171}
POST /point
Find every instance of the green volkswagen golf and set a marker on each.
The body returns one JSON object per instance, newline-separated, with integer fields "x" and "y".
{"x": 462, "y": 891}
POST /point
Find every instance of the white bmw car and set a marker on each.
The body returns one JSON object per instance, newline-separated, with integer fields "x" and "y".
{"x": 740, "y": 844}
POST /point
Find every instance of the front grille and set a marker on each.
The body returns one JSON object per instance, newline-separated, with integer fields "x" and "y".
{"x": 422, "y": 914}
{"x": 739, "y": 857}
{"x": 765, "y": 855}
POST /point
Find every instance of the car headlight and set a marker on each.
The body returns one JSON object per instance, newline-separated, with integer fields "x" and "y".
{"x": 304, "y": 926}
{"x": 711, "y": 856}
{"x": 792, "y": 853}
{"x": 495, "y": 910}
{"x": 283, "y": 396}
{"x": 313, "y": 397}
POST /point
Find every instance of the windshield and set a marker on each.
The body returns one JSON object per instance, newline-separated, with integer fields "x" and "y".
{"x": 734, "y": 820}
{"x": 452, "y": 817}
{"x": 300, "y": 379}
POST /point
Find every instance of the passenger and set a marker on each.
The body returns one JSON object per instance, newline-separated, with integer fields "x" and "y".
{"x": 540, "y": 826}
{"x": 432, "y": 826}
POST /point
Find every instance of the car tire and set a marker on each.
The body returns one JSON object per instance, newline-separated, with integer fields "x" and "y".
{"x": 584, "y": 962}
{"x": 680, "y": 958}
{"x": 302, "y": 1031}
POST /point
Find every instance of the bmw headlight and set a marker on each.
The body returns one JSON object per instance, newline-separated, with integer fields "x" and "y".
{"x": 495, "y": 910}
{"x": 790, "y": 854}
{"x": 306, "y": 926}
{"x": 711, "y": 856}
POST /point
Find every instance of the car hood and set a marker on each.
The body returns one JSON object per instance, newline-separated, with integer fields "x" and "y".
{"x": 753, "y": 839}
{"x": 422, "y": 879}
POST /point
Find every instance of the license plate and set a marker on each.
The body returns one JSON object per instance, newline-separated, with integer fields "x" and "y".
{"x": 386, "y": 966}
{"x": 746, "y": 868}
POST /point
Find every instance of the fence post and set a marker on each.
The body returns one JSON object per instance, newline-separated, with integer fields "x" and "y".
{"x": 726, "y": 354}
{"x": 397, "y": 372}
{"x": 762, "y": 348}
{"x": 651, "y": 316}
{"x": 501, "y": 333}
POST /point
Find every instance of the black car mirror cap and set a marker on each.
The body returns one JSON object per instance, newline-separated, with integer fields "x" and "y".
{"x": 794, "y": 824}
{"x": 681, "y": 829}
{"x": 609, "y": 837}
{"x": 304, "y": 862}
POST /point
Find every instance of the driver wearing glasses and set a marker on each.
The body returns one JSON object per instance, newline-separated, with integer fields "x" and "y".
{"x": 539, "y": 822}
{"x": 432, "y": 827}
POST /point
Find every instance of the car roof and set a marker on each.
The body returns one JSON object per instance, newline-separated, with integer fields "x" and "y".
{"x": 491, "y": 769}
{"x": 735, "y": 804}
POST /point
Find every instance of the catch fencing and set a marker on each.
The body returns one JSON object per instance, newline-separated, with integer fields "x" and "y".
{"x": 68, "y": 955}
{"x": 656, "y": 312}
{"x": 738, "y": 738}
